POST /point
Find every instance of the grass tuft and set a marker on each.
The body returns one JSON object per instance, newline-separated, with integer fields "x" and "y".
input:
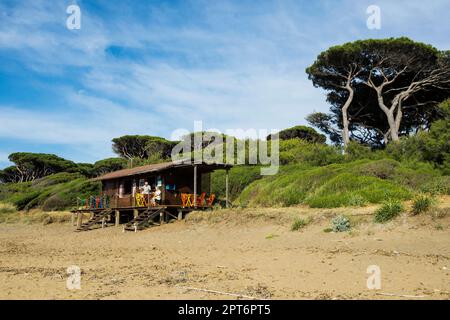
{"x": 388, "y": 211}
{"x": 300, "y": 223}
{"x": 422, "y": 203}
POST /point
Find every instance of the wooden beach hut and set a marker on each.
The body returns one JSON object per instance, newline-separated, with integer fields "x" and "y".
{"x": 184, "y": 186}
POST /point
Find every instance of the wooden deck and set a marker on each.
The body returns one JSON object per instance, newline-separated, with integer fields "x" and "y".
{"x": 133, "y": 218}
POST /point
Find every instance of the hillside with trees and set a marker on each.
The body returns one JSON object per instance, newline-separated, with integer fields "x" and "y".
{"x": 386, "y": 136}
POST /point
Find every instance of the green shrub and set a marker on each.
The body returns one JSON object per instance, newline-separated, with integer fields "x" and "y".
{"x": 340, "y": 224}
{"x": 21, "y": 201}
{"x": 54, "y": 192}
{"x": 8, "y": 190}
{"x": 383, "y": 169}
{"x": 344, "y": 188}
{"x": 301, "y": 132}
{"x": 313, "y": 154}
{"x": 356, "y": 200}
{"x": 239, "y": 178}
{"x": 357, "y": 151}
{"x": 436, "y": 186}
{"x": 421, "y": 203}
{"x": 54, "y": 179}
{"x": 344, "y": 184}
{"x": 56, "y": 202}
{"x": 388, "y": 211}
{"x": 432, "y": 146}
{"x": 300, "y": 223}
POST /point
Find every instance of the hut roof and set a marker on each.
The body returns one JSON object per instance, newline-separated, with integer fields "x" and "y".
{"x": 157, "y": 167}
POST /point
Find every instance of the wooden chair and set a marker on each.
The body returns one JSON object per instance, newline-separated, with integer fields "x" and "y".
{"x": 151, "y": 200}
{"x": 183, "y": 199}
{"x": 140, "y": 200}
{"x": 211, "y": 199}
{"x": 201, "y": 199}
{"x": 189, "y": 200}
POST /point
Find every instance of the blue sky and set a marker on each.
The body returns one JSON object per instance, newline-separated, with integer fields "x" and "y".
{"x": 150, "y": 67}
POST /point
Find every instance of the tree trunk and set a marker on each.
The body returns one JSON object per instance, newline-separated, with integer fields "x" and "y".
{"x": 386, "y": 137}
{"x": 392, "y": 126}
{"x": 389, "y": 112}
{"x": 345, "y": 122}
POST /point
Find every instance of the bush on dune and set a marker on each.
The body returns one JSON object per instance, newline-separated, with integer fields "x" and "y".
{"x": 289, "y": 187}
{"x": 54, "y": 192}
{"x": 239, "y": 178}
{"x": 340, "y": 190}
{"x": 314, "y": 154}
{"x": 347, "y": 184}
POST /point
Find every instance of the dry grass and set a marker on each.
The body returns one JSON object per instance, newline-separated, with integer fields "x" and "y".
{"x": 9, "y": 214}
{"x": 281, "y": 216}
{"x": 360, "y": 217}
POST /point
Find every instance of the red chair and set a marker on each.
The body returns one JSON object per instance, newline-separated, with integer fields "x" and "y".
{"x": 210, "y": 200}
{"x": 201, "y": 199}
{"x": 184, "y": 199}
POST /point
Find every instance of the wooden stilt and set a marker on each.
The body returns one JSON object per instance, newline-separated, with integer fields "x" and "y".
{"x": 73, "y": 219}
{"x": 135, "y": 213}
{"x": 117, "y": 218}
{"x": 161, "y": 217}
{"x": 79, "y": 220}
{"x": 180, "y": 215}
{"x": 195, "y": 186}
{"x": 226, "y": 188}
{"x": 103, "y": 222}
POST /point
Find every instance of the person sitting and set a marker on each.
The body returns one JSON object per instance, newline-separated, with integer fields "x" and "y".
{"x": 156, "y": 199}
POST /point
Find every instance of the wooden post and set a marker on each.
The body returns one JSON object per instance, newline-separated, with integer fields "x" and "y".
{"x": 161, "y": 217}
{"x": 195, "y": 186}
{"x": 210, "y": 183}
{"x": 79, "y": 220}
{"x": 73, "y": 219}
{"x": 180, "y": 214}
{"x": 135, "y": 213}
{"x": 163, "y": 191}
{"x": 226, "y": 187}
{"x": 103, "y": 222}
{"x": 117, "y": 218}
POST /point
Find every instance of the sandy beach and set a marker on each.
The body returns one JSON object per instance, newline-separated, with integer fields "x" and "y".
{"x": 248, "y": 252}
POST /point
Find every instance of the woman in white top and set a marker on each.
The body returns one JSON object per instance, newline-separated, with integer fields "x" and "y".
{"x": 157, "y": 194}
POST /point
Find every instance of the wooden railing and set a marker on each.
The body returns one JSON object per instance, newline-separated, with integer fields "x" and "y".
{"x": 94, "y": 202}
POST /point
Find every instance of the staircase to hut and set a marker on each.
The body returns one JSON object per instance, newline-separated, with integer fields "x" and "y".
{"x": 143, "y": 220}
{"x": 97, "y": 219}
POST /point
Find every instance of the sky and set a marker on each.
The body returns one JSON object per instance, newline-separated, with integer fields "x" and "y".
{"x": 152, "y": 67}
